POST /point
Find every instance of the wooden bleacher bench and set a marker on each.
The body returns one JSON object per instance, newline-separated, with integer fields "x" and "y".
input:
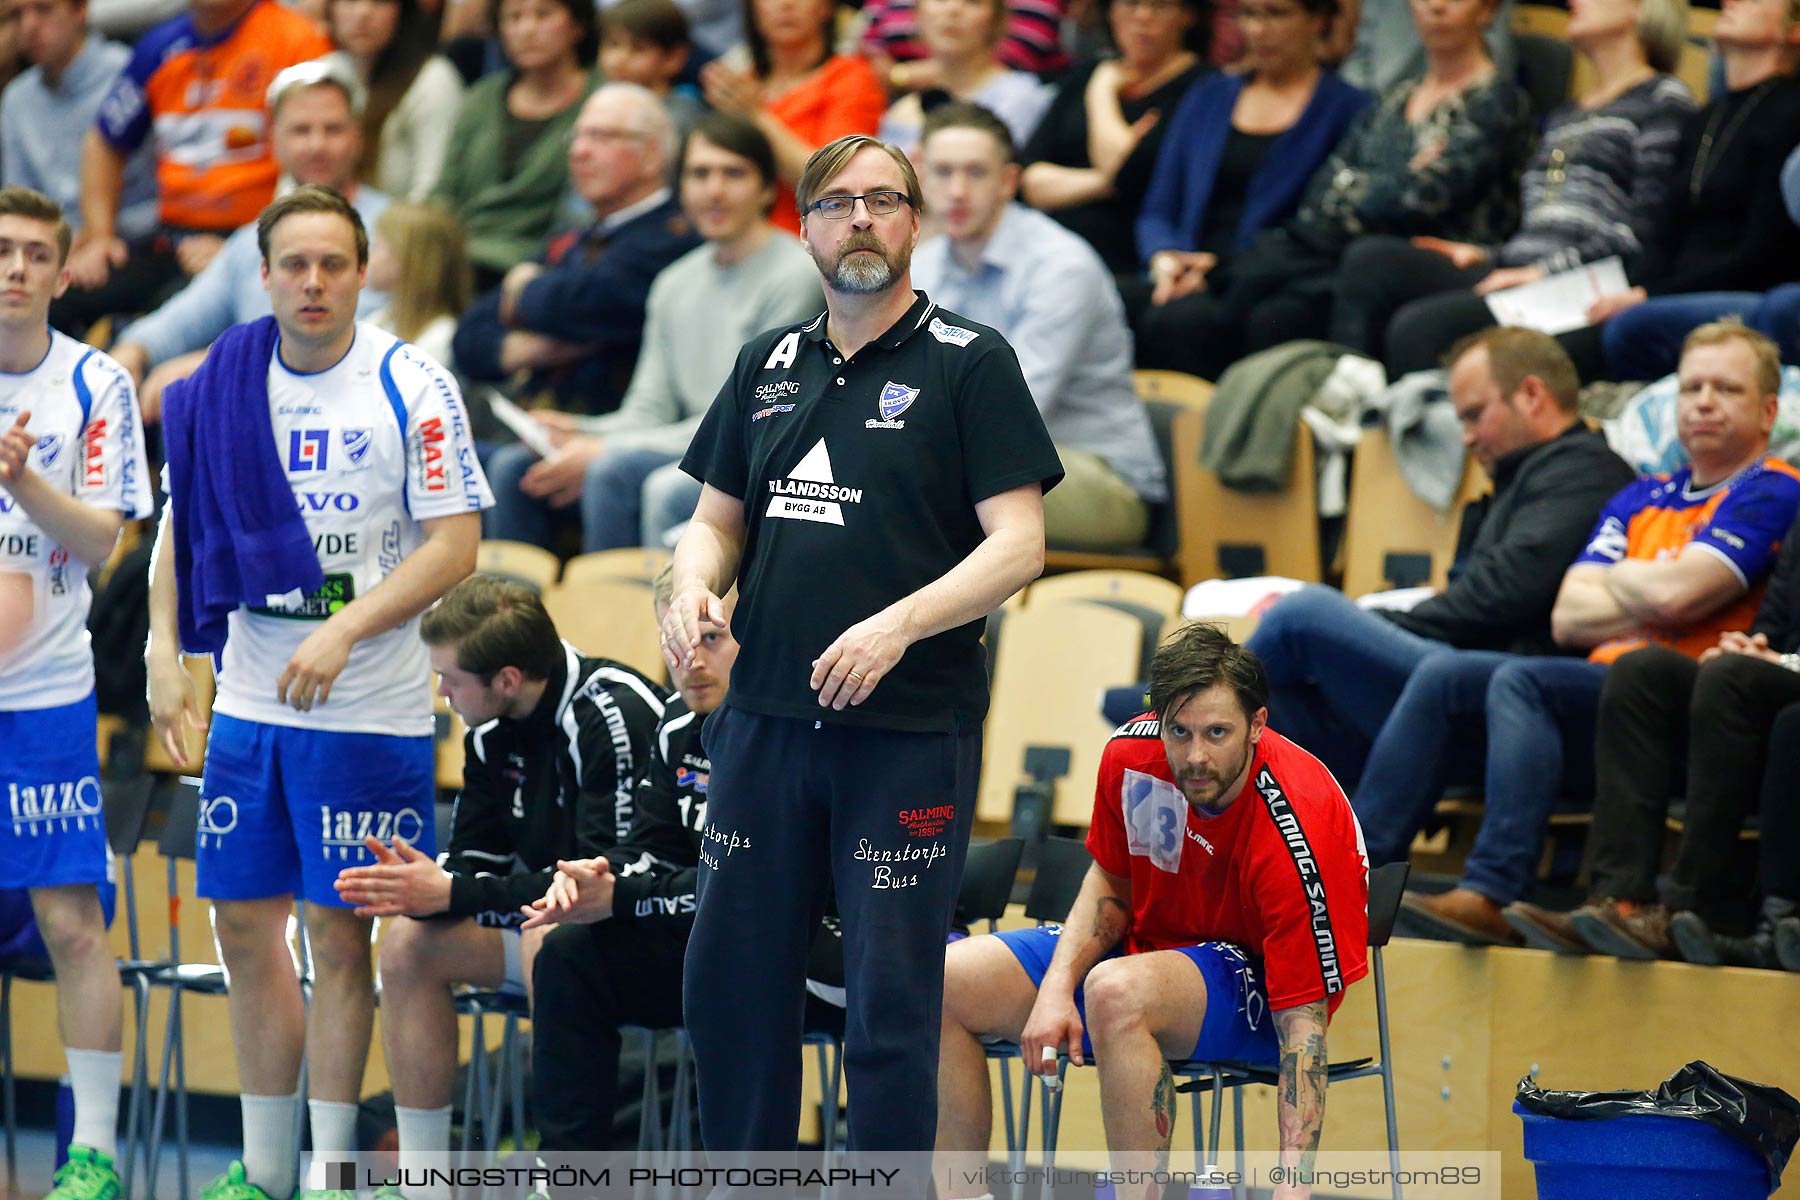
{"x": 1392, "y": 538}
{"x": 1228, "y": 534}
{"x": 1053, "y": 662}
{"x": 612, "y": 618}
{"x": 638, "y": 562}
{"x": 521, "y": 562}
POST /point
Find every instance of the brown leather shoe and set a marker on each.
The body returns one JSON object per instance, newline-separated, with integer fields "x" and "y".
{"x": 1626, "y": 928}
{"x": 1460, "y": 915}
{"x": 1545, "y": 929}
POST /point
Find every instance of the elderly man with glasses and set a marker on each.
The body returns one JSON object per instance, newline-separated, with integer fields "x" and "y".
{"x": 570, "y": 322}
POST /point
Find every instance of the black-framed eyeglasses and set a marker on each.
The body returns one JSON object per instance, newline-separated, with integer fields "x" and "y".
{"x": 884, "y": 203}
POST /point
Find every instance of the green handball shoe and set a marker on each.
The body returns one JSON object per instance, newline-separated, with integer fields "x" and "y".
{"x": 233, "y": 1186}
{"x": 88, "y": 1175}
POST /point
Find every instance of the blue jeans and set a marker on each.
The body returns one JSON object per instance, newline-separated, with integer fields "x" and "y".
{"x": 670, "y": 495}
{"x": 1335, "y": 672}
{"x": 611, "y": 499}
{"x": 1541, "y": 721}
{"x": 1531, "y": 719}
{"x": 515, "y": 516}
{"x": 1645, "y": 342}
{"x": 1435, "y": 736}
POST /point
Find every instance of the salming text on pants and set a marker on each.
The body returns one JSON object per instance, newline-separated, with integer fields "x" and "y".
{"x": 796, "y": 808}
{"x": 1656, "y": 704}
{"x": 588, "y": 980}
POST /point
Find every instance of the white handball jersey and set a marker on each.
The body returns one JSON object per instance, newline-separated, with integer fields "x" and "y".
{"x": 90, "y": 445}
{"x": 372, "y": 447}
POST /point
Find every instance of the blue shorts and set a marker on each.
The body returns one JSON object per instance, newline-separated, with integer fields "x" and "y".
{"x": 283, "y": 810}
{"x": 19, "y": 936}
{"x": 1238, "y": 1026}
{"x": 55, "y": 828}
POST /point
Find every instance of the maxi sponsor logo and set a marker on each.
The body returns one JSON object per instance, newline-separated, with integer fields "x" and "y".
{"x": 433, "y": 473}
{"x": 93, "y": 454}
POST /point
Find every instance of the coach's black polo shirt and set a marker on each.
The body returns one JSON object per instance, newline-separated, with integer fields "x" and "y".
{"x": 859, "y": 481}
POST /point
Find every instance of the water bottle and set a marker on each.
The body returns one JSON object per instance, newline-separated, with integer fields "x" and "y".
{"x": 65, "y": 1119}
{"x": 1213, "y": 1184}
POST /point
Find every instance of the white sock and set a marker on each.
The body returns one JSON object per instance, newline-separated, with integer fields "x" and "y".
{"x": 423, "y": 1128}
{"x": 333, "y": 1126}
{"x": 424, "y": 1143}
{"x": 94, "y": 1076}
{"x": 270, "y": 1160}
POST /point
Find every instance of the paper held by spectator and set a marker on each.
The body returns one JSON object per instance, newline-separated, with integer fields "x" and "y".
{"x": 536, "y": 438}
{"x": 1559, "y": 303}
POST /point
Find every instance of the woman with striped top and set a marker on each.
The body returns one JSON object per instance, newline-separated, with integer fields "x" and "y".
{"x": 1596, "y": 186}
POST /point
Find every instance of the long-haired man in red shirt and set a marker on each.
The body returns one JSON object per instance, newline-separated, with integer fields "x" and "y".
{"x": 1224, "y": 915}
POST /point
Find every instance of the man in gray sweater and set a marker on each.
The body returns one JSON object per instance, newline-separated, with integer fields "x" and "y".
{"x": 748, "y": 277}
{"x": 48, "y": 109}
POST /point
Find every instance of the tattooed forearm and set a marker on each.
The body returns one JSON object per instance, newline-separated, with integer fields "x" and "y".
{"x": 1112, "y": 917}
{"x": 1300, "y": 1100}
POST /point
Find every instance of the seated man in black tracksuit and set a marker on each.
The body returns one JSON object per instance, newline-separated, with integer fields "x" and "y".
{"x": 622, "y": 920}
{"x": 557, "y": 743}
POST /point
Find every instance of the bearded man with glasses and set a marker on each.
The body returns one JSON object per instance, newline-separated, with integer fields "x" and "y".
{"x": 874, "y": 483}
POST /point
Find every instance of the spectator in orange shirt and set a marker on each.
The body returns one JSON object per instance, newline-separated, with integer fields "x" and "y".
{"x": 786, "y": 79}
{"x": 196, "y": 82}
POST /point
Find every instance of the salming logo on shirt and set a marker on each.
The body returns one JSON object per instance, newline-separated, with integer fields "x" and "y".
{"x": 810, "y": 492}
{"x": 1312, "y": 882}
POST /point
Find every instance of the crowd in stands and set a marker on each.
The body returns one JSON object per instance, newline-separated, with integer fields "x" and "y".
{"x": 583, "y": 212}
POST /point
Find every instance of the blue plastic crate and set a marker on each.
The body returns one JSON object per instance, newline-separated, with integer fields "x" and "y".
{"x": 1640, "y": 1158}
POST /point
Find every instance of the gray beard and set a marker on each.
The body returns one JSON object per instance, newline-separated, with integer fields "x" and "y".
{"x": 860, "y": 276}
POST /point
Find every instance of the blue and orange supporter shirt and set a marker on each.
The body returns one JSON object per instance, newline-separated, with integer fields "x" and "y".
{"x": 1740, "y": 519}
{"x": 203, "y": 100}
{"x": 1281, "y": 873}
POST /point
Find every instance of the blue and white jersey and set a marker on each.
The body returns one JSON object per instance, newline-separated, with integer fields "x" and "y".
{"x": 90, "y": 445}
{"x": 372, "y": 447}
